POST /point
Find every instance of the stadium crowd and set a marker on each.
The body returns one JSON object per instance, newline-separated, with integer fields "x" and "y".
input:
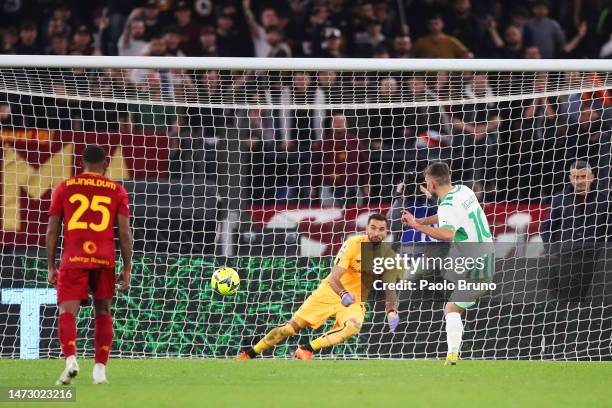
{"x": 310, "y": 28}
{"x": 515, "y": 150}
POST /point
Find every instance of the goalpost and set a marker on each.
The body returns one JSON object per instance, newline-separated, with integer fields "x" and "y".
{"x": 267, "y": 165}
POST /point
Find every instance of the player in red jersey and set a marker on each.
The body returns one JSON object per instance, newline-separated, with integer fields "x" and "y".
{"x": 89, "y": 204}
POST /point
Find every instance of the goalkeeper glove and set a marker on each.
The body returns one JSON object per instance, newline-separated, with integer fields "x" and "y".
{"x": 392, "y": 320}
{"x": 347, "y": 298}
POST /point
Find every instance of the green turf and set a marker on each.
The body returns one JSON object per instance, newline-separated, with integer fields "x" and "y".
{"x": 291, "y": 384}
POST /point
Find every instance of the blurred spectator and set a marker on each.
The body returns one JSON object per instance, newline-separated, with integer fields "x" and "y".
{"x": 258, "y": 146}
{"x": 439, "y": 45}
{"x": 548, "y": 35}
{"x": 276, "y": 41}
{"x": 188, "y": 29}
{"x": 113, "y": 83}
{"x": 339, "y": 165}
{"x": 384, "y": 12}
{"x": 229, "y": 42}
{"x": 153, "y": 117}
{"x": 570, "y": 104}
{"x": 360, "y": 90}
{"x": 59, "y": 45}
{"x": 382, "y": 51}
{"x": 329, "y": 88}
{"x": 158, "y": 84}
{"x": 579, "y": 196}
{"x": 312, "y": 38}
{"x": 152, "y": 20}
{"x": 477, "y": 125}
{"x": 269, "y": 19}
{"x": 299, "y": 132}
{"x": 204, "y": 126}
{"x": 364, "y": 14}
{"x": 579, "y": 213}
{"x": 59, "y": 22}
{"x": 386, "y": 139}
{"x": 7, "y": 118}
{"x": 132, "y": 42}
{"x": 27, "y": 44}
{"x": 511, "y": 46}
{"x": 56, "y": 27}
{"x": 10, "y": 38}
{"x": 366, "y": 42}
{"x": 428, "y": 125}
{"x": 386, "y": 125}
{"x": 208, "y": 42}
{"x": 462, "y": 24}
{"x": 538, "y": 114}
{"x": 5, "y": 113}
{"x": 299, "y": 123}
{"x": 102, "y": 38}
{"x": 532, "y": 52}
{"x": 172, "y": 40}
{"x": 402, "y": 47}
{"x": 332, "y": 47}
{"x": 530, "y": 137}
{"x": 155, "y": 48}
{"x": 82, "y": 42}
{"x": 337, "y": 15}
{"x": 520, "y": 16}
{"x": 587, "y": 140}
{"x": 606, "y": 49}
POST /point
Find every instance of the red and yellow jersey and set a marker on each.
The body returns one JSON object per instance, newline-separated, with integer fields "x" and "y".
{"x": 89, "y": 204}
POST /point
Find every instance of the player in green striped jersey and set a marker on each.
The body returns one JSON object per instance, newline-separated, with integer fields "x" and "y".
{"x": 460, "y": 218}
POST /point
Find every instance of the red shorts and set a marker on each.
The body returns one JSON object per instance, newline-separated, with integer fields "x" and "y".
{"x": 77, "y": 284}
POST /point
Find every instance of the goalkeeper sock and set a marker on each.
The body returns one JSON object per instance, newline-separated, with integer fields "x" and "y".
{"x": 454, "y": 331}
{"x": 333, "y": 337}
{"x": 307, "y": 347}
{"x": 274, "y": 336}
{"x": 103, "y": 337}
{"x": 66, "y": 331}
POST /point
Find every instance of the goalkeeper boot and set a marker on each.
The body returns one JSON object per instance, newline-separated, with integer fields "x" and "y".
{"x": 71, "y": 371}
{"x": 243, "y": 356}
{"x": 451, "y": 359}
{"x": 99, "y": 374}
{"x": 302, "y": 354}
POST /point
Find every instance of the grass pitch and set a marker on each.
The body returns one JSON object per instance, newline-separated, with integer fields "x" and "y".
{"x": 349, "y": 384}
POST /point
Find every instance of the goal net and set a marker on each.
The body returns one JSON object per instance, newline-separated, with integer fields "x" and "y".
{"x": 268, "y": 165}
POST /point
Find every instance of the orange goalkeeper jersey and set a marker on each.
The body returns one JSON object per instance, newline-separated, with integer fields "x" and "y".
{"x": 359, "y": 279}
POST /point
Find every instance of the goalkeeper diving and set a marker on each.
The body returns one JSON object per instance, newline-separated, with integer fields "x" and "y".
{"x": 341, "y": 295}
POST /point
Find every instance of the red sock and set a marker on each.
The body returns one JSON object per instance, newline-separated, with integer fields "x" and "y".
{"x": 103, "y": 337}
{"x": 67, "y": 333}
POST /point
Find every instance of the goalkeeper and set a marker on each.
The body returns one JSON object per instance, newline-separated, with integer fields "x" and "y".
{"x": 341, "y": 295}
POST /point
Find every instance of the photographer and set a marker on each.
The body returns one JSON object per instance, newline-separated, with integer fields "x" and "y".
{"x": 412, "y": 196}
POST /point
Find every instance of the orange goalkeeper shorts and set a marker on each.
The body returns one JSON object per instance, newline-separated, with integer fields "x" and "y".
{"x": 324, "y": 303}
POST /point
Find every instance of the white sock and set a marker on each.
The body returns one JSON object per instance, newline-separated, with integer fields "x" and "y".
{"x": 70, "y": 360}
{"x": 454, "y": 331}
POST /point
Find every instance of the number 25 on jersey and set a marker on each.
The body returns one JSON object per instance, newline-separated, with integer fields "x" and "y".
{"x": 97, "y": 204}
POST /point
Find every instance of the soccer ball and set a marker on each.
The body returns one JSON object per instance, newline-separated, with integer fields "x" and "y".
{"x": 225, "y": 281}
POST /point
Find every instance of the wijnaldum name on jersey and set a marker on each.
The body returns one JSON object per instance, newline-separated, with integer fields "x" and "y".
{"x": 91, "y": 182}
